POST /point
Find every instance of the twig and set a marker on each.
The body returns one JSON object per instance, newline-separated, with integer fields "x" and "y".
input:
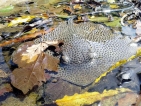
{"x": 26, "y": 37}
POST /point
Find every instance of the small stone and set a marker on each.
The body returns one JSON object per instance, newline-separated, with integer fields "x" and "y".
{"x": 54, "y": 80}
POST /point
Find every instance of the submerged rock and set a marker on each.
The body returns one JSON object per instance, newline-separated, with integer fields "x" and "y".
{"x": 29, "y": 100}
{"x": 63, "y": 88}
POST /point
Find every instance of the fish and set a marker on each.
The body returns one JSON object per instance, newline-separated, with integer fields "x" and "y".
{"x": 89, "y": 50}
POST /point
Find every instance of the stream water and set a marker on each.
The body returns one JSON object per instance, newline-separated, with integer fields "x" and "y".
{"x": 124, "y": 73}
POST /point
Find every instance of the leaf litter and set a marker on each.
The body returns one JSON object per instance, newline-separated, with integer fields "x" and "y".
{"x": 31, "y": 58}
{"x": 5, "y": 88}
{"x": 3, "y": 74}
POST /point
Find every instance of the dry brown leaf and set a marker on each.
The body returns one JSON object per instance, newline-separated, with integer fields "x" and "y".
{"x": 31, "y": 71}
{"x": 6, "y": 88}
{"x": 17, "y": 55}
{"x": 36, "y": 49}
{"x": 128, "y": 100}
{"x": 25, "y": 78}
{"x": 3, "y": 74}
{"x": 50, "y": 63}
{"x": 28, "y": 52}
{"x": 138, "y": 103}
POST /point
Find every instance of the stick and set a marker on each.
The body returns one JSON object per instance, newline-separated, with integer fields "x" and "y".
{"x": 26, "y": 37}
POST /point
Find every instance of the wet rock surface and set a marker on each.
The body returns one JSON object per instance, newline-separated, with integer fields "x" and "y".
{"x": 59, "y": 89}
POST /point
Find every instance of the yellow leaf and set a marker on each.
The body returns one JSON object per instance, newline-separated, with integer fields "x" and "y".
{"x": 88, "y": 98}
{"x": 20, "y": 20}
{"x": 117, "y": 64}
{"x": 110, "y": 1}
{"x": 77, "y": 7}
{"x": 114, "y": 6}
{"x": 23, "y": 19}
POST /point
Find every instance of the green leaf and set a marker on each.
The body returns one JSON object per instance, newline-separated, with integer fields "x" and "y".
{"x": 115, "y": 23}
{"x": 99, "y": 19}
{"x": 7, "y": 9}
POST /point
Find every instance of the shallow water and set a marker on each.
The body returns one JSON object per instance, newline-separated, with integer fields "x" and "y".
{"x": 52, "y": 89}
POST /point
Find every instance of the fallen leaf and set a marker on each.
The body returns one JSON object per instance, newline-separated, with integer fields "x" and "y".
{"x": 50, "y": 63}
{"x": 24, "y": 54}
{"x": 114, "y": 6}
{"x": 77, "y": 7}
{"x": 17, "y": 55}
{"x": 128, "y": 100}
{"x": 3, "y": 74}
{"x": 27, "y": 77}
{"x": 36, "y": 49}
{"x": 87, "y": 98}
{"x": 26, "y": 37}
{"x": 138, "y": 103}
{"x": 98, "y": 19}
{"x": 20, "y": 20}
{"x": 115, "y": 23}
{"x": 110, "y": 1}
{"x": 122, "y": 99}
{"x": 7, "y": 9}
{"x": 31, "y": 70}
{"x": 6, "y": 88}
{"x": 114, "y": 66}
{"x": 29, "y": 59}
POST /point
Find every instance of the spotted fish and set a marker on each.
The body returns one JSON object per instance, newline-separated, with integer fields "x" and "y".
{"x": 89, "y": 50}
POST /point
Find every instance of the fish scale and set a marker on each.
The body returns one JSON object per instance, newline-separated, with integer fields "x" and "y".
{"x": 82, "y": 39}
